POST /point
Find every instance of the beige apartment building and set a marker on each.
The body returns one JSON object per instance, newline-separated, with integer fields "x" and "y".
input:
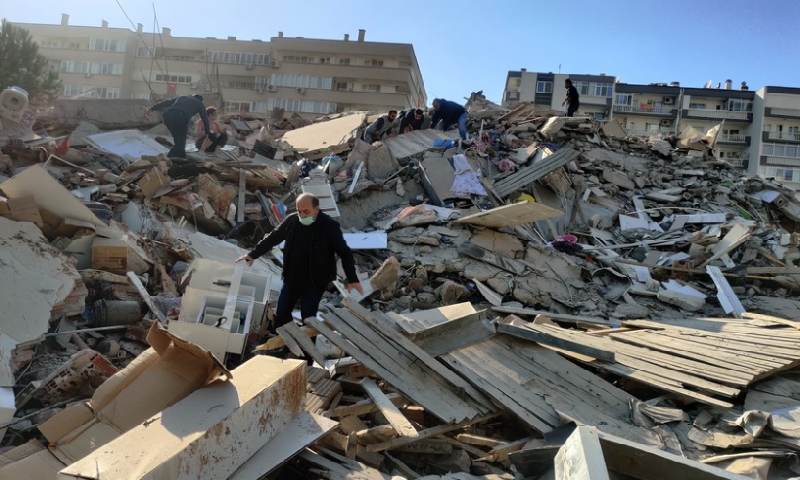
{"x": 308, "y": 76}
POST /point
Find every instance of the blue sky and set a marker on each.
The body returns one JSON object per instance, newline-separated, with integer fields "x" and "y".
{"x": 470, "y": 45}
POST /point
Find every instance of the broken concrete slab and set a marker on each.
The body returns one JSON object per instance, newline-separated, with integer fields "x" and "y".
{"x": 619, "y": 179}
{"x": 49, "y": 195}
{"x": 511, "y": 215}
{"x": 684, "y": 301}
{"x": 326, "y": 138}
{"x": 128, "y": 144}
{"x": 503, "y": 243}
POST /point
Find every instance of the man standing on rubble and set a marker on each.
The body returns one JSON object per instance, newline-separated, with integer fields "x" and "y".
{"x": 449, "y": 113}
{"x": 412, "y": 120}
{"x": 572, "y": 100}
{"x": 379, "y": 127}
{"x": 179, "y": 111}
{"x": 313, "y": 239}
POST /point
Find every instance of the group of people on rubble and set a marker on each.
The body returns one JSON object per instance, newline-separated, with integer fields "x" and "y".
{"x": 445, "y": 115}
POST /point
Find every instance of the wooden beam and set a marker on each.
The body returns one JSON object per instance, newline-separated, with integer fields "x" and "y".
{"x": 581, "y": 457}
{"x": 303, "y": 341}
{"x": 368, "y": 406}
{"x": 555, "y": 316}
{"x": 394, "y": 416}
{"x": 240, "y": 202}
{"x": 137, "y": 284}
{"x": 427, "y": 433}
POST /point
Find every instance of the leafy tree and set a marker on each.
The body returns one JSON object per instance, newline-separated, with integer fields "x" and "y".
{"x": 22, "y": 66}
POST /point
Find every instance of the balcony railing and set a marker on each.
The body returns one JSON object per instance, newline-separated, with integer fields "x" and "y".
{"x": 593, "y": 100}
{"x": 784, "y": 161}
{"x": 736, "y": 162}
{"x": 649, "y": 132}
{"x": 721, "y": 114}
{"x": 786, "y": 112}
{"x": 795, "y": 137}
{"x": 733, "y": 138}
{"x": 644, "y": 109}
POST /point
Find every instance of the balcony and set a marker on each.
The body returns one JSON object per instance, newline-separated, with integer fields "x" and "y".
{"x": 781, "y": 137}
{"x": 780, "y": 161}
{"x": 741, "y": 140}
{"x": 718, "y": 114}
{"x": 646, "y": 110}
{"x": 782, "y": 112}
{"x": 594, "y": 100}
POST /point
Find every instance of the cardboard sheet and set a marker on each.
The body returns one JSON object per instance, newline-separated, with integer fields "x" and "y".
{"x": 511, "y": 215}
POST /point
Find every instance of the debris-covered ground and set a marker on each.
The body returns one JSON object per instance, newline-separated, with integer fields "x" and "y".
{"x": 542, "y": 298}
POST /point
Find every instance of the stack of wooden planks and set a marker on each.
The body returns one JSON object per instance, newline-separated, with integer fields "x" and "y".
{"x": 706, "y": 360}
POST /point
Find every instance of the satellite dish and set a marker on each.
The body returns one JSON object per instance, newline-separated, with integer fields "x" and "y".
{"x": 708, "y": 84}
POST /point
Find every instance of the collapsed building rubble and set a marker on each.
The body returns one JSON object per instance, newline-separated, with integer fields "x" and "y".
{"x": 547, "y": 298}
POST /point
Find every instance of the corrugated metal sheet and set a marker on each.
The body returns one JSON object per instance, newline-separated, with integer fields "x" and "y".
{"x": 413, "y": 143}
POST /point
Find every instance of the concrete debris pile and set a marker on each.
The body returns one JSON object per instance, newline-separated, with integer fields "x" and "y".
{"x": 549, "y": 298}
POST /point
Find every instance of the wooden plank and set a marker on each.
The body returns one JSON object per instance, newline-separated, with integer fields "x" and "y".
{"x": 472, "y": 439}
{"x": 396, "y": 367}
{"x": 351, "y": 424}
{"x": 368, "y": 406}
{"x": 427, "y": 433}
{"x": 555, "y": 316}
{"x": 533, "y": 333}
{"x": 240, "y": 202}
{"x": 581, "y": 457}
{"x": 769, "y": 318}
{"x": 303, "y": 341}
{"x": 137, "y": 284}
{"x": 773, "y": 270}
{"x": 455, "y": 335}
{"x": 290, "y": 342}
{"x": 277, "y": 342}
{"x": 508, "y": 264}
{"x": 383, "y": 325}
{"x": 645, "y": 462}
{"x": 392, "y": 414}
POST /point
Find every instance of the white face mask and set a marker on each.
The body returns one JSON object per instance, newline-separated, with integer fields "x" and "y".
{"x": 307, "y": 220}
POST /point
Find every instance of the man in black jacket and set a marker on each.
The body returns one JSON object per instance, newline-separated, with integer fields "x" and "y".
{"x": 179, "y": 111}
{"x": 412, "y": 120}
{"x": 313, "y": 239}
{"x": 449, "y": 113}
{"x": 572, "y": 100}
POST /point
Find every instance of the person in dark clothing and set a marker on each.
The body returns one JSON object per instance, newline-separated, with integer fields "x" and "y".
{"x": 176, "y": 117}
{"x": 412, "y": 120}
{"x": 572, "y": 100}
{"x": 313, "y": 239}
{"x": 380, "y": 127}
{"x": 449, "y": 113}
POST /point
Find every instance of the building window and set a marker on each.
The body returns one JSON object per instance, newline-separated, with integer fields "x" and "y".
{"x": 544, "y": 87}
{"x": 145, "y": 52}
{"x": 738, "y": 105}
{"x": 512, "y": 96}
{"x": 370, "y": 88}
{"x": 107, "y": 45}
{"x": 174, "y": 78}
{"x": 90, "y": 67}
{"x": 623, "y": 99}
{"x": 90, "y": 91}
{"x": 237, "y": 58}
{"x": 305, "y": 106}
{"x": 237, "y": 106}
{"x": 297, "y": 59}
{"x": 697, "y": 106}
{"x": 49, "y": 44}
{"x": 344, "y": 61}
{"x": 325, "y": 60}
{"x": 373, "y": 63}
{"x": 785, "y": 174}
{"x": 140, "y": 96}
{"x": 341, "y": 86}
{"x": 301, "y": 81}
{"x": 594, "y": 88}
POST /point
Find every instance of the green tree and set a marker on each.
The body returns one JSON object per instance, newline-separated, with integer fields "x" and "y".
{"x": 22, "y": 66}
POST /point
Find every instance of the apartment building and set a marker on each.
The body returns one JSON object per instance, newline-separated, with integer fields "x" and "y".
{"x": 307, "y": 76}
{"x": 760, "y": 133}
{"x": 547, "y": 90}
